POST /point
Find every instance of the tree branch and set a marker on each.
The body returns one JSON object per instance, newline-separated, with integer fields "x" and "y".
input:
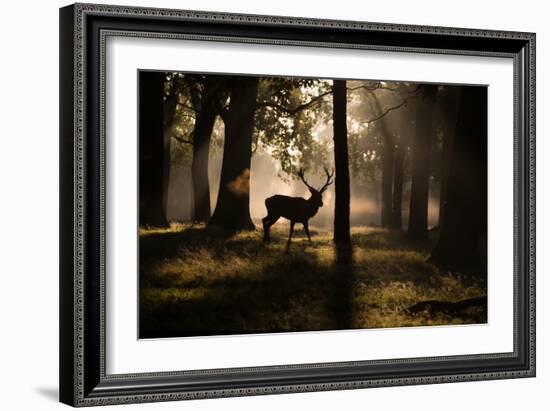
{"x": 297, "y": 109}
{"x": 182, "y": 140}
{"x": 368, "y": 88}
{"x": 389, "y": 110}
{"x": 193, "y": 109}
{"x": 379, "y": 87}
{"x": 222, "y": 111}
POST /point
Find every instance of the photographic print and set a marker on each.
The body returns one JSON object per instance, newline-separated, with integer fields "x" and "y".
{"x": 285, "y": 204}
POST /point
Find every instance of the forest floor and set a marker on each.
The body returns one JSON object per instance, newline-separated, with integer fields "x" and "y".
{"x": 199, "y": 281}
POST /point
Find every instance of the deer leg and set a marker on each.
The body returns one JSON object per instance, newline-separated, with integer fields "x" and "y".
{"x": 265, "y": 222}
{"x": 306, "y": 228}
{"x": 291, "y": 230}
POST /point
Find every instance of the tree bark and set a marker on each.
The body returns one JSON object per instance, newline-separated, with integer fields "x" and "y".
{"x": 341, "y": 164}
{"x": 388, "y": 153}
{"x": 405, "y": 134}
{"x": 448, "y": 116}
{"x": 462, "y": 244}
{"x": 233, "y": 205}
{"x": 169, "y": 110}
{"x": 202, "y": 133}
{"x": 422, "y": 144}
{"x": 398, "y": 177}
{"x": 152, "y": 154}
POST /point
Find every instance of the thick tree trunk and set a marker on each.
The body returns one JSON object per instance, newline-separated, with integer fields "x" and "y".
{"x": 462, "y": 241}
{"x": 423, "y": 138}
{"x": 232, "y": 208}
{"x": 341, "y": 164}
{"x": 202, "y": 133}
{"x": 448, "y": 116}
{"x": 169, "y": 110}
{"x": 153, "y": 159}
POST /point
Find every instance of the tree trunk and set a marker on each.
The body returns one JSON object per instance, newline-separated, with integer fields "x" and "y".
{"x": 405, "y": 134}
{"x": 423, "y": 138}
{"x": 232, "y": 208}
{"x": 388, "y": 152}
{"x": 202, "y": 133}
{"x": 398, "y": 176}
{"x": 168, "y": 116}
{"x": 153, "y": 159}
{"x": 448, "y": 113}
{"x": 341, "y": 183}
{"x": 462, "y": 241}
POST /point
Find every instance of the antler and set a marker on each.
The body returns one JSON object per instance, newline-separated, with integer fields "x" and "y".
{"x": 301, "y": 175}
{"x": 329, "y": 182}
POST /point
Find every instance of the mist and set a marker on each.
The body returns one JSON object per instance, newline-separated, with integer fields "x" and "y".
{"x": 268, "y": 179}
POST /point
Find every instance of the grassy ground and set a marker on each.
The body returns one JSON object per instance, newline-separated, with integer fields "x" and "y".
{"x": 198, "y": 281}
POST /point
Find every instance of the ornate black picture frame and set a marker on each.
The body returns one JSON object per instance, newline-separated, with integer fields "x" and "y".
{"x": 83, "y": 379}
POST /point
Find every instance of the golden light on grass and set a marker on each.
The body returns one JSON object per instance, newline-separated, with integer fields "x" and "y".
{"x": 218, "y": 284}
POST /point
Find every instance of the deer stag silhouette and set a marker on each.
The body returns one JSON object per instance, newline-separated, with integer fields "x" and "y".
{"x": 295, "y": 209}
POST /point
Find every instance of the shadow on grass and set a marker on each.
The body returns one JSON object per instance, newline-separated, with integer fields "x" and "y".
{"x": 342, "y": 293}
{"x": 292, "y": 292}
{"x": 157, "y": 246}
{"x": 383, "y": 239}
{"x": 199, "y": 281}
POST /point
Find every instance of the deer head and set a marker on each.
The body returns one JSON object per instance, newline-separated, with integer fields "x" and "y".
{"x": 317, "y": 194}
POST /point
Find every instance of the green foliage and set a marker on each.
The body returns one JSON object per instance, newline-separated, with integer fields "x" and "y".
{"x": 180, "y": 126}
{"x": 197, "y": 281}
{"x": 188, "y": 89}
{"x": 293, "y": 122}
{"x": 288, "y": 111}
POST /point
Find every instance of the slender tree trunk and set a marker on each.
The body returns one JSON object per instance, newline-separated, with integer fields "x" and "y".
{"x": 398, "y": 177}
{"x": 153, "y": 159}
{"x": 405, "y": 135}
{"x": 423, "y": 138}
{"x": 462, "y": 242}
{"x": 341, "y": 164}
{"x": 388, "y": 159}
{"x": 387, "y": 179}
{"x": 388, "y": 153}
{"x": 233, "y": 208}
{"x": 202, "y": 133}
{"x": 446, "y": 158}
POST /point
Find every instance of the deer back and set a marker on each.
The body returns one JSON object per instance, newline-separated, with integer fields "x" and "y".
{"x": 292, "y": 208}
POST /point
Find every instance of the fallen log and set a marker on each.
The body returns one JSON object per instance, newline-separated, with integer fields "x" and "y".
{"x": 446, "y": 307}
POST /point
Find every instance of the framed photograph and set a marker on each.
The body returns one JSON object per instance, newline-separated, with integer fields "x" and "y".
{"x": 260, "y": 205}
